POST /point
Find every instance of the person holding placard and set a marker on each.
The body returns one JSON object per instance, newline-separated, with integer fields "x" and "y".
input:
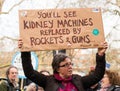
{"x": 63, "y": 79}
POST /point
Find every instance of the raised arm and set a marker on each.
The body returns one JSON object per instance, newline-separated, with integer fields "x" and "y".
{"x": 92, "y": 79}
{"x": 30, "y": 73}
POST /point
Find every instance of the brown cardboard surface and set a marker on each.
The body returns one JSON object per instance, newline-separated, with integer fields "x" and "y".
{"x": 53, "y": 29}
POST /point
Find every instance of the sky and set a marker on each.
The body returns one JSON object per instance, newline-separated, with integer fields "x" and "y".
{"x": 9, "y": 23}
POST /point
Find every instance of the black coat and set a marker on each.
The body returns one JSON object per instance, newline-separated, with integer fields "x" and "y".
{"x": 114, "y": 88}
{"x": 49, "y": 83}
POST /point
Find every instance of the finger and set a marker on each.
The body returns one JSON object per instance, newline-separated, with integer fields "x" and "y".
{"x": 105, "y": 45}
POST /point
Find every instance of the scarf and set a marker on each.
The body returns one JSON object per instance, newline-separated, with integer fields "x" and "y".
{"x": 65, "y": 84}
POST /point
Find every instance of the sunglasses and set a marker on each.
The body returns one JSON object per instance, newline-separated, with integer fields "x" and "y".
{"x": 66, "y": 65}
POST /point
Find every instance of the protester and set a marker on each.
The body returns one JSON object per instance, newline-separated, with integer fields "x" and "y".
{"x": 110, "y": 81}
{"x": 11, "y": 84}
{"x": 62, "y": 78}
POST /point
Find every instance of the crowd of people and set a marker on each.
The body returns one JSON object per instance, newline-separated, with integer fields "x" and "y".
{"x": 63, "y": 78}
{"x": 109, "y": 82}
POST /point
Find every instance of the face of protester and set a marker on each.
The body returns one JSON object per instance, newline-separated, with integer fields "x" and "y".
{"x": 105, "y": 81}
{"x": 13, "y": 74}
{"x": 65, "y": 68}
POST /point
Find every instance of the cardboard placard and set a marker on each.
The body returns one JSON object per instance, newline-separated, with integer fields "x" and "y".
{"x": 53, "y": 29}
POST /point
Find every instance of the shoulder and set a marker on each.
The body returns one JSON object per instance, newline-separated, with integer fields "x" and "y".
{"x": 76, "y": 76}
{"x": 114, "y": 88}
{"x": 3, "y": 85}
